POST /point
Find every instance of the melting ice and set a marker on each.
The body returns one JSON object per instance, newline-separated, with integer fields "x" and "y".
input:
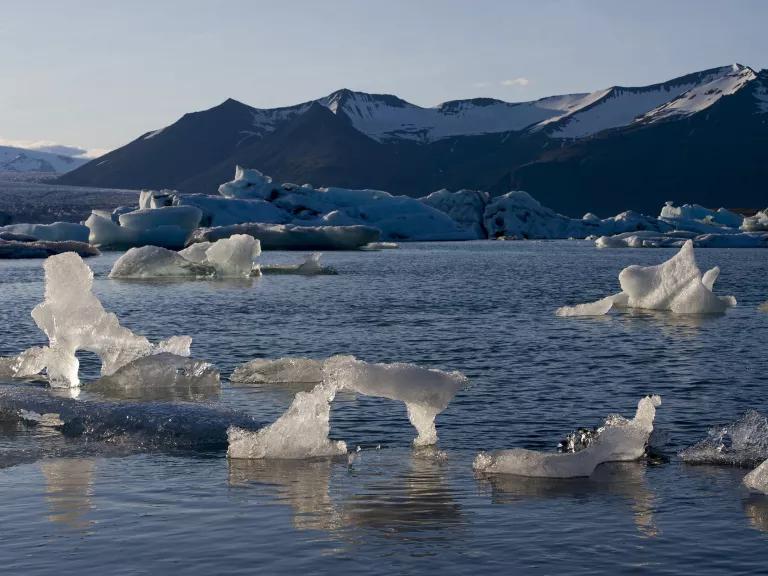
{"x": 676, "y": 285}
{"x": 618, "y": 439}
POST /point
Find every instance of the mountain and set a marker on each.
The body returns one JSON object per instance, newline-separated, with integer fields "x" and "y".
{"x": 21, "y": 161}
{"x": 700, "y": 137}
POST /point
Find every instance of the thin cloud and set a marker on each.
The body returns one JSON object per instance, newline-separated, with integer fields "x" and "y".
{"x": 521, "y": 81}
{"x": 54, "y": 148}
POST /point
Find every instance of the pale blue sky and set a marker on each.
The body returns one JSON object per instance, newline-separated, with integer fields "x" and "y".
{"x": 99, "y": 73}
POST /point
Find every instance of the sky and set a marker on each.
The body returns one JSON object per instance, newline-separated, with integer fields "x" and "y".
{"x": 96, "y": 74}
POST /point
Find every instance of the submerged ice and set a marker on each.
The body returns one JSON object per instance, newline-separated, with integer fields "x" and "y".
{"x": 618, "y": 439}
{"x": 676, "y": 285}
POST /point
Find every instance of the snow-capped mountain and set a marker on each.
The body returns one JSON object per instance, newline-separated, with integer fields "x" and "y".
{"x": 21, "y": 160}
{"x": 355, "y": 139}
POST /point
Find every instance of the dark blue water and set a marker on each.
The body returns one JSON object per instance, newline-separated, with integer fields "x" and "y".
{"x": 484, "y": 308}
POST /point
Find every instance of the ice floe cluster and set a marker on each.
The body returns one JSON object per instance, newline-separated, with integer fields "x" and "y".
{"x": 617, "y": 440}
{"x": 676, "y": 285}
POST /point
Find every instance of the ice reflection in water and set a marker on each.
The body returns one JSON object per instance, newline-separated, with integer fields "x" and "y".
{"x": 68, "y": 488}
{"x": 623, "y": 479}
{"x": 756, "y": 509}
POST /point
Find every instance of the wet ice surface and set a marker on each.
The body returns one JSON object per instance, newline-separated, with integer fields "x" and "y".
{"x": 482, "y": 308}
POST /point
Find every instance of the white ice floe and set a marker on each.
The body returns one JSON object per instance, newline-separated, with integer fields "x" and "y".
{"x": 740, "y": 443}
{"x": 228, "y": 258}
{"x": 105, "y": 233}
{"x": 617, "y": 440}
{"x": 220, "y": 211}
{"x": 279, "y": 371}
{"x": 310, "y": 267}
{"x": 675, "y": 239}
{"x": 676, "y": 285}
{"x": 73, "y": 319}
{"x": 302, "y": 431}
{"x": 56, "y": 232}
{"x": 381, "y": 246}
{"x": 691, "y": 216}
{"x": 290, "y": 237}
{"x": 248, "y": 183}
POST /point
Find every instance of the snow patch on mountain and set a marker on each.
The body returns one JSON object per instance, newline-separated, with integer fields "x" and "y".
{"x": 21, "y": 160}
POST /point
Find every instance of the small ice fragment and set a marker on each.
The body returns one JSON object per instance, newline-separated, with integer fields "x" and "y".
{"x": 618, "y": 440}
{"x": 310, "y": 267}
{"x": 740, "y": 443}
{"x": 157, "y": 262}
{"x": 598, "y": 308}
{"x": 301, "y": 432}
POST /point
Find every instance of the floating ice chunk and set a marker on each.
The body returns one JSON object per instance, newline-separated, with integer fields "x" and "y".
{"x": 301, "y": 432}
{"x": 741, "y": 443}
{"x": 290, "y": 237}
{"x": 598, "y": 308}
{"x": 757, "y": 480}
{"x": 233, "y": 257}
{"x": 310, "y": 267}
{"x": 280, "y": 371}
{"x": 757, "y": 222}
{"x": 56, "y": 232}
{"x": 425, "y": 392}
{"x": 618, "y": 440}
{"x": 73, "y": 319}
{"x": 157, "y": 262}
{"x": 218, "y": 211}
{"x": 676, "y": 285}
{"x": 466, "y": 207}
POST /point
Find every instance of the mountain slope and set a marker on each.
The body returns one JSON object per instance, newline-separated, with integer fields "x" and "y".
{"x": 22, "y": 160}
{"x": 605, "y": 151}
{"x": 718, "y": 157}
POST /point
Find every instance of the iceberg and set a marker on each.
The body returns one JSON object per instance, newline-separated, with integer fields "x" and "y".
{"x": 73, "y": 319}
{"x": 310, "y": 267}
{"x": 248, "y": 183}
{"x": 740, "y": 443}
{"x": 677, "y": 238}
{"x": 56, "y": 232}
{"x": 302, "y": 431}
{"x": 220, "y": 211}
{"x": 676, "y": 285}
{"x": 105, "y": 233}
{"x": 695, "y": 217}
{"x": 290, "y": 237}
{"x": 757, "y": 222}
{"x": 229, "y": 258}
{"x": 618, "y": 440}
{"x": 279, "y": 371}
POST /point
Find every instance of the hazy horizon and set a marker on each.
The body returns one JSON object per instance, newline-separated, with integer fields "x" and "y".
{"x": 97, "y": 75}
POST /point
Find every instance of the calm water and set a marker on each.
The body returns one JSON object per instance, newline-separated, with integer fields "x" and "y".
{"x": 483, "y": 308}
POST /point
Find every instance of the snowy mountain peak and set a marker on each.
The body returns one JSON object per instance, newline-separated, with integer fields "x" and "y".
{"x": 21, "y": 160}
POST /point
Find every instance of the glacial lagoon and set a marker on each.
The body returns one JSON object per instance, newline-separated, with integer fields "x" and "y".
{"x": 483, "y": 308}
